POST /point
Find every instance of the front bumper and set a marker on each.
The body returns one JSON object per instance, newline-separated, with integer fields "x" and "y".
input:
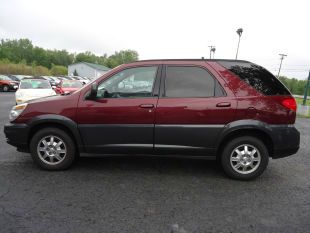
{"x": 17, "y": 135}
{"x": 13, "y": 87}
{"x": 286, "y": 140}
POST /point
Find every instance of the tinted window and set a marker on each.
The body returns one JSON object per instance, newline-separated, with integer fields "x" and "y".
{"x": 256, "y": 76}
{"x": 133, "y": 82}
{"x": 3, "y": 77}
{"x": 188, "y": 82}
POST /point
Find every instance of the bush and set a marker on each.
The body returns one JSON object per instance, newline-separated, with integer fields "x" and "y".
{"x": 21, "y": 68}
{"x": 59, "y": 70}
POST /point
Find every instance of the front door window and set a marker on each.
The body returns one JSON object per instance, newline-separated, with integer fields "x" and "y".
{"x": 129, "y": 83}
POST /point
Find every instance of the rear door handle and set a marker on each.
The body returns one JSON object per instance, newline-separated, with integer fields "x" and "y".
{"x": 223, "y": 105}
{"x": 146, "y": 106}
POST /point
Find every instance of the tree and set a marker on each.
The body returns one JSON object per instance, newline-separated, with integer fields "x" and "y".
{"x": 22, "y": 51}
{"x": 295, "y": 86}
{"x": 86, "y": 57}
{"x": 124, "y": 56}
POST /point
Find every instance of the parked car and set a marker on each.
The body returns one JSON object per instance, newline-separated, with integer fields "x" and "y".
{"x": 233, "y": 111}
{"x": 7, "y": 84}
{"x": 80, "y": 79}
{"x": 13, "y": 77}
{"x": 33, "y": 88}
{"x": 20, "y": 77}
{"x": 54, "y": 82}
{"x": 68, "y": 86}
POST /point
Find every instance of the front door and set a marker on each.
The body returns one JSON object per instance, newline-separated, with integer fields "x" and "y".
{"x": 121, "y": 118}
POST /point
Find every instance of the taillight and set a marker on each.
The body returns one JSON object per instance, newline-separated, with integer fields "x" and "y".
{"x": 290, "y": 104}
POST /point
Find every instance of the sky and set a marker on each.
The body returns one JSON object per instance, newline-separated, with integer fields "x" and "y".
{"x": 168, "y": 29}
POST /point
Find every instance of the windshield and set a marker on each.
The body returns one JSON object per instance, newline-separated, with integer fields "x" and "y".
{"x": 71, "y": 84}
{"x": 35, "y": 84}
{"x": 3, "y": 77}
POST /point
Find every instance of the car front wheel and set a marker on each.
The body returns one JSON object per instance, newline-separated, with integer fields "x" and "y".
{"x": 52, "y": 149}
{"x": 5, "y": 88}
{"x": 245, "y": 158}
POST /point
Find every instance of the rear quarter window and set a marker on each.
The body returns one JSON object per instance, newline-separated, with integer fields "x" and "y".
{"x": 257, "y": 77}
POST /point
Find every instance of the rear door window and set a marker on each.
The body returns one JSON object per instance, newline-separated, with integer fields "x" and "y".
{"x": 188, "y": 82}
{"x": 256, "y": 76}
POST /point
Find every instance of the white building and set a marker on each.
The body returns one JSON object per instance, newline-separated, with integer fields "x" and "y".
{"x": 85, "y": 69}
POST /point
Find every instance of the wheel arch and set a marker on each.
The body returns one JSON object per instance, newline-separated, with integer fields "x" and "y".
{"x": 56, "y": 121}
{"x": 241, "y": 128}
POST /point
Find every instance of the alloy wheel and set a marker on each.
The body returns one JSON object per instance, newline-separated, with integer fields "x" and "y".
{"x": 245, "y": 159}
{"x": 51, "y": 150}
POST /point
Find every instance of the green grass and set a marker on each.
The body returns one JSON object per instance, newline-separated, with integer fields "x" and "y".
{"x": 300, "y": 100}
{"x": 301, "y": 116}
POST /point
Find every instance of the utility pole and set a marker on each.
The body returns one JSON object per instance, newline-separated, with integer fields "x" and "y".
{"x": 306, "y": 90}
{"x": 212, "y": 49}
{"x": 281, "y": 58}
{"x": 239, "y": 32}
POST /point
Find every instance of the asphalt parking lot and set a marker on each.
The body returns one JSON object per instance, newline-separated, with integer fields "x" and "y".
{"x": 131, "y": 194}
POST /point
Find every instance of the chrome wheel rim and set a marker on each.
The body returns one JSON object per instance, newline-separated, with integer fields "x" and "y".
{"x": 245, "y": 159}
{"x": 51, "y": 150}
{"x": 5, "y": 88}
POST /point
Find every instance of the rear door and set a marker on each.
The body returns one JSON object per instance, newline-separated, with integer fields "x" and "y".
{"x": 192, "y": 110}
{"x": 121, "y": 119}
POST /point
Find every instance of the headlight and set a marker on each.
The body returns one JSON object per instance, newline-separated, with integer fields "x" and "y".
{"x": 17, "y": 110}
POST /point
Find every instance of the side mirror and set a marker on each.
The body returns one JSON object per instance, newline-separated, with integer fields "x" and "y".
{"x": 93, "y": 92}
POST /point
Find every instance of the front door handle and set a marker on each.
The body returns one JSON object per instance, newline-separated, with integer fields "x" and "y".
{"x": 223, "y": 104}
{"x": 146, "y": 106}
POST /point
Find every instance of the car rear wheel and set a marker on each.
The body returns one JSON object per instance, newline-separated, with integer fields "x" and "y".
{"x": 244, "y": 158}
{"x": 5, "y": 88}
{"x": 52, "y": 149}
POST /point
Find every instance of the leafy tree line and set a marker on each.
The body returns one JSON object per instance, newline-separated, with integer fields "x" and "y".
{"x": 296, "y": 86}
{"x": 21, "y": 53}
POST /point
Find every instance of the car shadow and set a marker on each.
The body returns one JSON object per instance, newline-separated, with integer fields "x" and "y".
{"x": 146, "y": 164}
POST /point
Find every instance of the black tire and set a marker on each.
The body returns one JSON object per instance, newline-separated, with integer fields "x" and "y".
{"x": 242, "y": 141}
{"x": 5, "y": 88}
{"x": 68, "y": 144}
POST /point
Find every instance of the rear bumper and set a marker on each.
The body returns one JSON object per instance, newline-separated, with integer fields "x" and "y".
{"x": 17, "y": 135}
{"x": 286, "y": 140}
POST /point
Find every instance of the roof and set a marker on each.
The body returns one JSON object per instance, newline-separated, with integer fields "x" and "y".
{"x": 95, "y": 66}
{"x": 201, "y": 59}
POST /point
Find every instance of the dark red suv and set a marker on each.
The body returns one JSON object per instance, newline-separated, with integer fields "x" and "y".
{"x": 230, "y": 110}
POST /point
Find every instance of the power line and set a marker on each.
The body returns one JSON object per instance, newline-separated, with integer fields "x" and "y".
{"x": 288, "y": 69}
